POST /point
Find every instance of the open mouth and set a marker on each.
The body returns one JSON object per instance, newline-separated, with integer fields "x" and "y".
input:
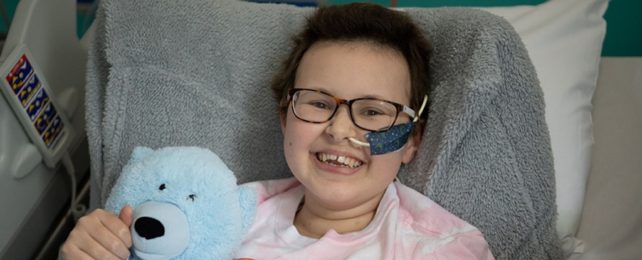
{"x": 339, "y": 160}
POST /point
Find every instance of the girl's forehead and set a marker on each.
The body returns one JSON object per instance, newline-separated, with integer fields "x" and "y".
{"x": 355, "y": 69}
{"x": 357, "y": 45}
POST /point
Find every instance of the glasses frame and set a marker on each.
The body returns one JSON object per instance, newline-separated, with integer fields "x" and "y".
{"x": 339, "y": 101}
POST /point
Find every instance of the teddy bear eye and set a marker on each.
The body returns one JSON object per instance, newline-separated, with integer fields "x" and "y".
{"x": 192, "y": 197}
{"x": 161, "y": 187}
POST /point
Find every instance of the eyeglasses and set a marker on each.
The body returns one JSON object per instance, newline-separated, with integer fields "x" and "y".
{"x": 370, "y": 114}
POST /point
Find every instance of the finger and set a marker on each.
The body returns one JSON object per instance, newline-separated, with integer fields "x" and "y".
{"x": 95, "y": 238}
{"x": 89, "y": 245}
{"x": 110, "y": 242}
{"x": 126, "y": 215}
{"x": 72, "y": 252}
{"x": 116, "y": 226}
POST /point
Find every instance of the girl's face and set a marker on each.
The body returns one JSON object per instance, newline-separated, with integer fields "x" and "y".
{"x": 346, "y": 70}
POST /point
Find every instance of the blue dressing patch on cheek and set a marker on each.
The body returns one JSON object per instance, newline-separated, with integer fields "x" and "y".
{"x": 389, "y": 141}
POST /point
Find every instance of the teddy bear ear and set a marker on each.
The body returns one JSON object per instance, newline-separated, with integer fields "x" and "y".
{"x": 139, "y": 153}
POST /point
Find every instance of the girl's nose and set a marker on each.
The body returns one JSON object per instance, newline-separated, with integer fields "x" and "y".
{"x": 341, "y": 126}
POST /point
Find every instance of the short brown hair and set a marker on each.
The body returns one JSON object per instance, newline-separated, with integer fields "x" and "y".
{"x": 360, "y": 22}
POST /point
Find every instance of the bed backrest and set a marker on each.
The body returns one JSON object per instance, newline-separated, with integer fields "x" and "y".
{"x": 165, "y": 73}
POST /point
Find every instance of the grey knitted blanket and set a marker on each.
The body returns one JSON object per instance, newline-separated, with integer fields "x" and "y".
{"x": 196, "y": 72}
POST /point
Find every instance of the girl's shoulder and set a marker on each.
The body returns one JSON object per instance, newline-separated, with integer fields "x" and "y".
{"x": 425, "y": 216}
{"x": 438, "y": 231}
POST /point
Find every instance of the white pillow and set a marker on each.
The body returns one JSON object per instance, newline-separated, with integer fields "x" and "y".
{"x": 564, "y": 41}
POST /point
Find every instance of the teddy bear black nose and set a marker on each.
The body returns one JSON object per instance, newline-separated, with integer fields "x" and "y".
{"x": 149, "y": 228}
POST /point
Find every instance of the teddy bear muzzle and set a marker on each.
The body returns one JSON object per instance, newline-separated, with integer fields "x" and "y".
{"x": 159, "y": 231}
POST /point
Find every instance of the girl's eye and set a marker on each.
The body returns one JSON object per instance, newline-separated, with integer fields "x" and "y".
{"x": 320, "y": 104}
{"x": 192, "y": 197}
{"x": 161, "y": 187}
{"x": 370, "y": 112}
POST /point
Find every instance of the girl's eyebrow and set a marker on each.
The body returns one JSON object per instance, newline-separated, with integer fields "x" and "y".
{"x": 379, "y": 98}
{"x": 374, "y": 96}
{"x": 324, "y": 90}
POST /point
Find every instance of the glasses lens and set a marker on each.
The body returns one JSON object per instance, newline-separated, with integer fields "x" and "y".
{"x": 313, "y": 106}
{"x": 373, "y": 114}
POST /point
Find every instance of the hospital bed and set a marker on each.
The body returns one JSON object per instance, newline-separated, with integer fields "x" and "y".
{"x": 35, "y": 197}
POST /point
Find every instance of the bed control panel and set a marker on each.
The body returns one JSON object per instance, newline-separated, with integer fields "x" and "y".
{"x": 34, "y": 104}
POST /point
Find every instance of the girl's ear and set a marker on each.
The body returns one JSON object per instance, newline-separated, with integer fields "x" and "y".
{"x": 410, "y": 151}
{"x": 412, "y": 146}
{"x": 282, "y": 117}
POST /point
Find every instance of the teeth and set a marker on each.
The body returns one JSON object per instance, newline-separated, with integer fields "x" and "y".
{"x": 341, "y": 160}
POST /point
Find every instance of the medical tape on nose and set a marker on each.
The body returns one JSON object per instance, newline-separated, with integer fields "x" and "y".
{"x": 388, "y": 141}
{"x": 392, "y": 139}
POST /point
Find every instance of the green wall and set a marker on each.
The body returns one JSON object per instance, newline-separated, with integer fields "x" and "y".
{"x": 623, "y": 28}
{"x": 623, "y": 19}
{"x": 8, "y": 7}
{"x": 83, "y": 15}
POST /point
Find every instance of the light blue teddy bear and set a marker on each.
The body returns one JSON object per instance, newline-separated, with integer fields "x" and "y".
{"x": 187, "y": 204}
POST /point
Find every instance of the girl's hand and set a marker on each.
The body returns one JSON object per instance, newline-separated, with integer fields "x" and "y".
{"x": 100, "y": 235}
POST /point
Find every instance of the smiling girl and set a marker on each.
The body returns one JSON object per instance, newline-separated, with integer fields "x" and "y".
{"x": 352, "y": 95}
{"x": 352, "y": 100}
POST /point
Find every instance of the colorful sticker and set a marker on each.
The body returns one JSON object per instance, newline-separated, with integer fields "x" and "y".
{"x": 45, "y": 118}
{"x": 50, "y": 135}
{"x": 33, "y": 84}
{"x": 19, "y": 74}
{"x": 38, "y": 102}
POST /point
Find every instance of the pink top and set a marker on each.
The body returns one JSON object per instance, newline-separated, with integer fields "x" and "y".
{"x": 407, "y": 225}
